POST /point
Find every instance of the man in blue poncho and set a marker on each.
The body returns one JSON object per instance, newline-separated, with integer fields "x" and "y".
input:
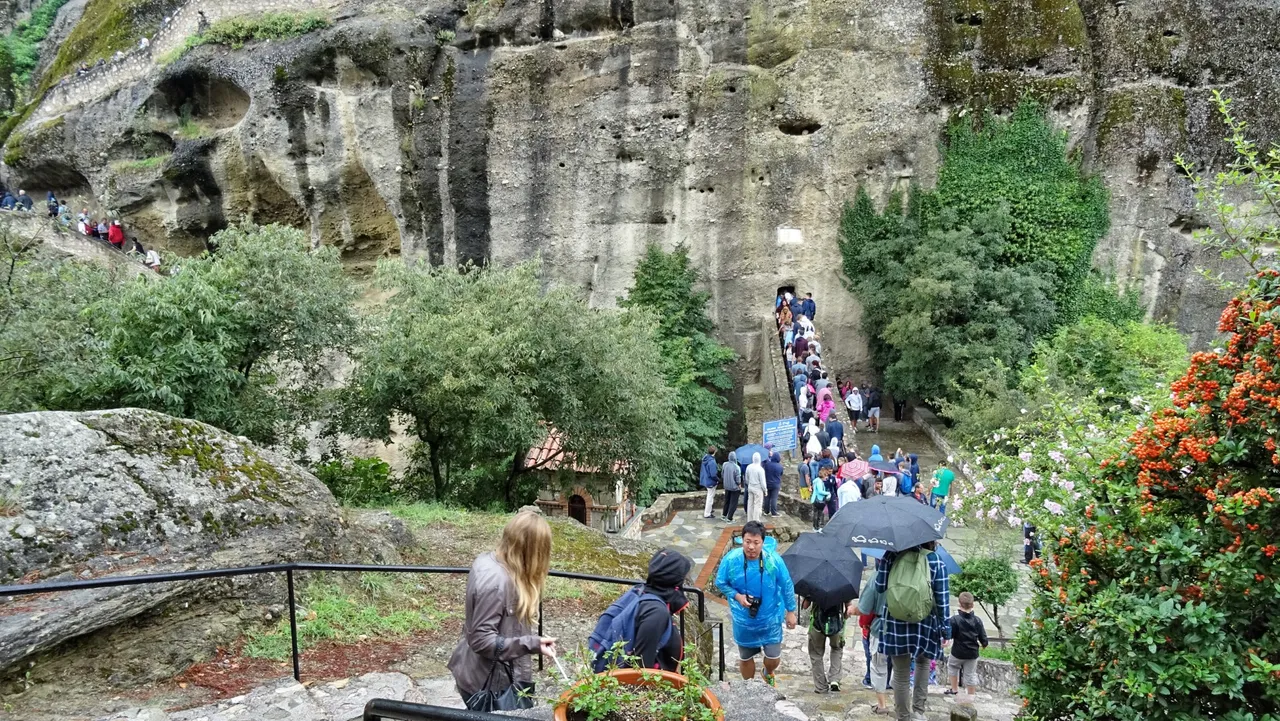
{"x": 761, "y": 599}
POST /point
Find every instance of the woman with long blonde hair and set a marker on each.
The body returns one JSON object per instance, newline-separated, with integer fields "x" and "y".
{"x": 504, "y": 590}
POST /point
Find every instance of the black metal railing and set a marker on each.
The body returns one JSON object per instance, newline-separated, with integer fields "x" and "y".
{"x": 288, "y": 569}
{"x": 381, "y": 709}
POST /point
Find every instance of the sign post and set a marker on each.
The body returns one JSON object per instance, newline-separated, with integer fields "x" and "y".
{"x": 782, "y": 434}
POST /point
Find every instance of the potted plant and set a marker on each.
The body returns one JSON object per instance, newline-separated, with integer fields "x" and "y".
{"x": 622, "y": 693}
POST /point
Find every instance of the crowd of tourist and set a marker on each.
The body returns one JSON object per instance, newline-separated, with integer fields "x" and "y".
{"x": 832, "y": 470}
{"x": 99, "y": 229}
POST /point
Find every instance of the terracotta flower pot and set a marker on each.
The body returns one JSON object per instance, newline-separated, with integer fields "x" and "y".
{"x": 633, "y": 677}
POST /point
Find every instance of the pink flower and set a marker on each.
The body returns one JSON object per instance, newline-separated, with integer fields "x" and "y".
{"x": 1025, "y": 456}
{"x": 1054, "y": 508}
{"x": 1057, "y": 457}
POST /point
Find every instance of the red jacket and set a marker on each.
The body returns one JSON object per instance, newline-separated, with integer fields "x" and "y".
{"x": 115, "y": 234}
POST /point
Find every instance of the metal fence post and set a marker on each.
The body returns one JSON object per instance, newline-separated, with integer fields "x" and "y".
{"x": 721, "y": 635}
{"x": 293, "y": 626}
{"x": 540, "y": 657}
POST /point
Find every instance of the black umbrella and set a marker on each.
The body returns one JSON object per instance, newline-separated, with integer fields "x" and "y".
{"x": 894, "y": 523}
{"x": 824, "y": 570}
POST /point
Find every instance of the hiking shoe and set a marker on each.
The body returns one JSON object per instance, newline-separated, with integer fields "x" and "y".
{"x": 771, "y": 679}
{"x": 835, "y": 687}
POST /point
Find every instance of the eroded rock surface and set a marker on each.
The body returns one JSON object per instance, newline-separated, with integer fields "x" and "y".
{"x": 580, "y": 130}
{"x": 131, "y": 491}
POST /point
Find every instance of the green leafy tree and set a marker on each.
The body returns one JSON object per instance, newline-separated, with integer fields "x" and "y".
{"x": 992, "y": 581}
{"x": 481, "y": 363}
{"x": 939, "y": 302}
{"x": 239, "y": 338}
{"x": 1120, "y": 368}
{"x": 695, "y": 364}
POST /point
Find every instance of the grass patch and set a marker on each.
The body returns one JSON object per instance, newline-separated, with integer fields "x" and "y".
{"x": 236, "y": 31}
{"x": 432, "y": 514}
{"x": 381, "y": 607}
{"x": 125, "y": 166}
{"x": 189, "y": 129}
{"x": 24, "y": 42}
{"x": 997, "y": 653}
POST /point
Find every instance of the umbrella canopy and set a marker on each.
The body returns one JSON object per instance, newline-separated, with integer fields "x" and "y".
{"x": 824, "y": 569}
{"x": 885, "y": 467}
{"x": 855, "y": 469}
{"x": 953, "y": 566}
{"x": 744, "y": 453}
{"x": 894, "y": 523}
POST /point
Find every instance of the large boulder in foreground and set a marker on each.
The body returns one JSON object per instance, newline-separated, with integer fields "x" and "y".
{"x": 132, "y": 491}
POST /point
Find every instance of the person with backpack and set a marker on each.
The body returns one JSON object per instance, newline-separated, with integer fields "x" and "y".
{"x": 916, "y": 620}
{"x": 967, "y": 634}
{"x": 821, "y": 494}
{"x": 641, "y": 620}
{"x": 709, "y": 478}
{"x": 826, "y": 627}
{"x": 871, "y": 620}
{"x": 761, "y": 599}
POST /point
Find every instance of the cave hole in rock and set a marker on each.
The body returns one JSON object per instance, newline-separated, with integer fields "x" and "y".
{"x": 971, "y": 19}
{"x": 1172, "y": 33}
{"x": 785, "y": 289}
{"x": 195, "y": 96}
{"x": 138, "y": 144}
{"x": 60, "y": 177}
{"x": 799, "y": 126}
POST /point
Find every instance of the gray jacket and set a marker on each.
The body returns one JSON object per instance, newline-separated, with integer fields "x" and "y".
{"x": 491, "y": 631}
{"x": 731, "y": 474}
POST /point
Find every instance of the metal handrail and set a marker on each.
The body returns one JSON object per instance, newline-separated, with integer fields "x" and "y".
{"x": 381, "y": 709}
{"x": 288, "y": 569}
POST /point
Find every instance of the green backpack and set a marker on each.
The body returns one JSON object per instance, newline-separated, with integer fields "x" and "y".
{"x": 910, "y": 593}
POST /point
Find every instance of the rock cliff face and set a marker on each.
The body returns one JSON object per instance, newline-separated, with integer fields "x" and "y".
{"x": 580, "y": 130}
{"x": 131, "y": 491}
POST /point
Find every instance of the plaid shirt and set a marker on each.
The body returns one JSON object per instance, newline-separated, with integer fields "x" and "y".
{"x": 902, "y": 638}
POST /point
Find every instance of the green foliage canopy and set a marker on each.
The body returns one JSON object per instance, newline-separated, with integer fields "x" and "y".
{"x": 238, "y": 339}
{"x": 694, "y": 363}
{"x": 992, "y": 581}
{"x": 937, "y": 302}
{"x": 480, "y": 363}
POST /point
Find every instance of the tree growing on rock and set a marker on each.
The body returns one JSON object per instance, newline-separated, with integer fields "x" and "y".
{"x": 480, "y": 364}
{"x": 694, "y": 363}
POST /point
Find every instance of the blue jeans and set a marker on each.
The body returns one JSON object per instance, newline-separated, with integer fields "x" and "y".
{"x": 866, "y": 651}
{"x": 771, "y": 500}
{"x": 940, "y": 503}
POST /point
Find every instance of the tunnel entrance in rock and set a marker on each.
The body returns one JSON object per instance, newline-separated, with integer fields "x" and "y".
{"x": 195, "y": 96}
{"x": 783, "y": 289}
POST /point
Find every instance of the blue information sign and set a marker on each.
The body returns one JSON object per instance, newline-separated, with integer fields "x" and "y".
{"x": 782, "y": 434}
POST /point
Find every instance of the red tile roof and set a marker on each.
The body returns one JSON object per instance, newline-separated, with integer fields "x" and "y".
{"x": 549, "y": 456}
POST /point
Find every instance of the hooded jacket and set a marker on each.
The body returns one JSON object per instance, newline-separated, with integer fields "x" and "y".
{"x": 667, "y": 571}
{"x": 875, "y": 455}
{"x": 709, "y": 475}
{"x": 773, "y": 471}
{"x": 755, "y": 475}
{"x": 732, "y": 473}
{"x": 766, "y": 578}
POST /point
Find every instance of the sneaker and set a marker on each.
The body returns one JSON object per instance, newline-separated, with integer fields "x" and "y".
{"x": 918, "y": 716}
{"x": 835, "y": 687}
{"x": 949, "y": 692}
{"x": 820, "y": 690}
{"x": 866, "y": 683}
{"x": 725, "y": 520}
{"x": 708, "y": 517}
{"x": 771, "y": 679}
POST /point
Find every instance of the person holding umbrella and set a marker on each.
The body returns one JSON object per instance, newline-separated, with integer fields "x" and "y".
{"x": 827, "y": 575}
{"x": 761, "y": 599}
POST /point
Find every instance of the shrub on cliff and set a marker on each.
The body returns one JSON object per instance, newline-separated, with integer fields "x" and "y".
{"x": 694, "y": 363}
{"x": 979, "y": 268}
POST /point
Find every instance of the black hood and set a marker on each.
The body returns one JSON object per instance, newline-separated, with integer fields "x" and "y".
{"x": 668, "y": 569}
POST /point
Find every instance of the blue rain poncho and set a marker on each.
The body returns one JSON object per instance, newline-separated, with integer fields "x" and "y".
{"x": 766, "y": 578}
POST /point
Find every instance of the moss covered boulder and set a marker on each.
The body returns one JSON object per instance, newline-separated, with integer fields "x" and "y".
{"x": 132, "y": 491}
